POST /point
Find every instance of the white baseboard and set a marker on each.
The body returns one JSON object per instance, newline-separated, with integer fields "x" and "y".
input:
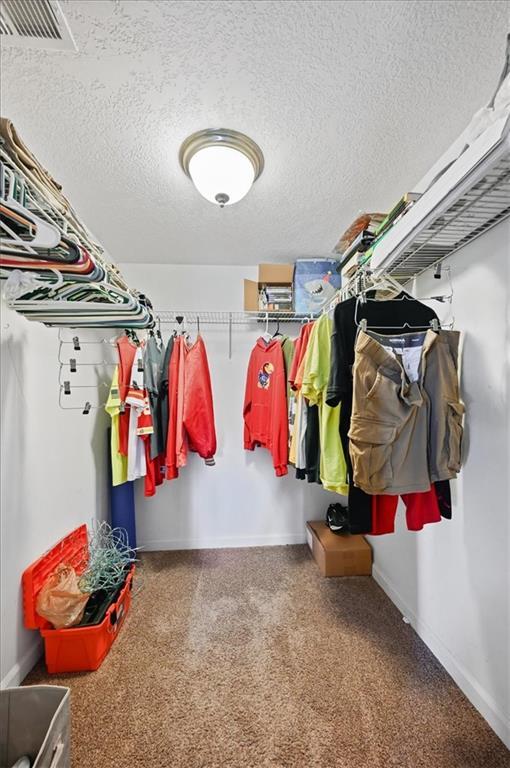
{"x": 476, "y": 694}
{"x": 20, "y": 670}
{"x": 223, "y": 542}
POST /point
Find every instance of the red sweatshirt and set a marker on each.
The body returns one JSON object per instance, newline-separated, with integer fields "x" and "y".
{"x": 299, "y": 353}
{"x": 198, "y": 412}
{"x": 265, "y": 403}
{"x": 127, "y": 351}
{"x": 190, "y": 406}
{"x": 173, "y": 382}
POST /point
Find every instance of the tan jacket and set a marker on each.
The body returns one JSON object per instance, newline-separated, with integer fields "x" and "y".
{"x": 406, "y": 425}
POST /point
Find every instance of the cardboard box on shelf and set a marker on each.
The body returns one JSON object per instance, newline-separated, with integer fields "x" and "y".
{"x": 338, "y": 555}
{"x": 251, "y": 296}
{"x": 270, "y": 275}
{"x": 274, "y": 274}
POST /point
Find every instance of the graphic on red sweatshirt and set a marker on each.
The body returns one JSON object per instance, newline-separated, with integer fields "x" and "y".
{"x": 265, "y": 375}
{"x": 265, "y": 403}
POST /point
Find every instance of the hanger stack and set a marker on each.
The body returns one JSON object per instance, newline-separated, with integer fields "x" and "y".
{"x": 56, "y": 272}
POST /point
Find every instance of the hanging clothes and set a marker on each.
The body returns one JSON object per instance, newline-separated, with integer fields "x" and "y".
{"x": 301, "y": 438}
{"x": 305, "y": 439}
{"x": 289, "y": 349}
{"x": 198, "y": 412}
{"x": 152, "y": 359}
{"x": 421, "y": 509}
{"x": 140, "y": 420}
{"x": 265, "y": 403}
{"x": 162, "y": 402}
{"x": 112, "y": 408}
{"x": 299, "y": 353}
{"x": 127, "y": 351}
{"x": 190, "y": 406}
{"x": 332, "y": 466}
{"x": 311, "y": 449}
{"x": 406, "y": 425}
{"x": 181, "y": 438}
{"x": 392, "y": 314}
{"x": 151, "y": 365}
{"x": 172, "y": 471}
{"x": 312, "y": 444}
{"x": 294, "y": 427}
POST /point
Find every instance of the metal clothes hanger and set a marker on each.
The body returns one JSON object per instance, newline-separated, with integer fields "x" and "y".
{"x": 85, "y": 409}
{"x": 363, "y": 325}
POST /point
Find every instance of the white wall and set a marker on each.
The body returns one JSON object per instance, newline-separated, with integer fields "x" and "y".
{"x": 452, "y": 579}
{"x": 238, "y": 502}
{"x": 53, "y": 471}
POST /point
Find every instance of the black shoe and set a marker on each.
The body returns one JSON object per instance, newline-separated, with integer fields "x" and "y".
{"x": 337, "y": 518}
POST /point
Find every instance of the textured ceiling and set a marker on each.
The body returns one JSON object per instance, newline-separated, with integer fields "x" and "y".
{"x": 351, "y": 103}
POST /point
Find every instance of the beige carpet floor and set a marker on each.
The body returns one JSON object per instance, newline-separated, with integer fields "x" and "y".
{"x": 247, "y": 658}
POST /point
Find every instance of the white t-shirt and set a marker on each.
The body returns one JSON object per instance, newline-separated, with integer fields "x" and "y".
{"x": 138, "y": 402}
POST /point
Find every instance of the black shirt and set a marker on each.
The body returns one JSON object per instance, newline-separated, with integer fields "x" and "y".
{"x": 162, "y": 403}
{"x": 391, "y": 315}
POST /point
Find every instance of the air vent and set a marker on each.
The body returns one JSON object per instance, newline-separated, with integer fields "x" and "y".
{"x": 35, "y": 24}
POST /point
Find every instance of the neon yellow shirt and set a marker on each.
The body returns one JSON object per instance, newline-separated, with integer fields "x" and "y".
{"x": 333, "y": 469}
{"x": 112, "y": 407}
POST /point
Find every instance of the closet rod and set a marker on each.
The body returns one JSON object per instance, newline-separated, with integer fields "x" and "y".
{"x": 228, "y": 317}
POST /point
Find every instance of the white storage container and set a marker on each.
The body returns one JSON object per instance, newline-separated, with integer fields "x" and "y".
{"x": 35, "y": 724}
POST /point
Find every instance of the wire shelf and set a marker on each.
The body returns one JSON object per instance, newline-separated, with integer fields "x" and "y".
{"x": 479, "y": 209}
{"x": 212, "y": 317}
{"x": 67, "y": 223}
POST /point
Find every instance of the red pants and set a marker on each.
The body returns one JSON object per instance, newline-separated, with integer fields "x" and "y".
{"x": 421, "y": 508}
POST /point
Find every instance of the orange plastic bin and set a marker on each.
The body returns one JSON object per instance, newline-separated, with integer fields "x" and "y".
{"x": 73, "y": 649}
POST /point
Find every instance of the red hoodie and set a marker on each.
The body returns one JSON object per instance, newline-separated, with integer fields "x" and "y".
{"x": 173, "y": 381}
{"x": 299, "y": 353}
{"x": 190, "y": 406}
{"x": 198, "y": 412}
{"x": 265, "y": 403}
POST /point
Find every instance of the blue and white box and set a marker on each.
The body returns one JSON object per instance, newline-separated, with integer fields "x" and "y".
{"x": 315, "y": 283}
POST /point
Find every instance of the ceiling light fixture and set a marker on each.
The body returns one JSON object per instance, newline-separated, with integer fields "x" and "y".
{"x": 222, "y": 164}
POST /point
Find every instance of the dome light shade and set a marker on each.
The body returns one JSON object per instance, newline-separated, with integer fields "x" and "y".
{"x": 219, "y": 171}
{"x": 222, "y": 164}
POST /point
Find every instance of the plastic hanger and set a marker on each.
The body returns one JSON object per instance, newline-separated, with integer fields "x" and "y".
{"x": 46, "y": 234}
{"x": 181, "y": 322}
{"x": 277, "y": 332}
{"x": 266, "y": 336}
{"x": 363, "y": 323}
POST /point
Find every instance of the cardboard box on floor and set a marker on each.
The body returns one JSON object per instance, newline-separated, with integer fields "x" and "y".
{"x": 269, "y": 274}
{"x": 344, "y": 555}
